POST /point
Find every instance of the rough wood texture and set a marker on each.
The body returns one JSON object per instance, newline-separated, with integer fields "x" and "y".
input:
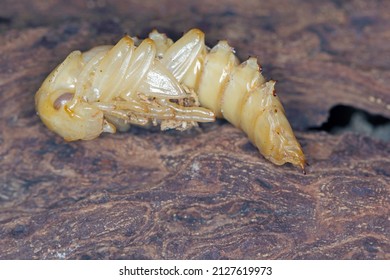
{"x": 206, "y": 193}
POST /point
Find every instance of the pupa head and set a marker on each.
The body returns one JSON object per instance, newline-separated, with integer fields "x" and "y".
{"x": 59, "y": 108}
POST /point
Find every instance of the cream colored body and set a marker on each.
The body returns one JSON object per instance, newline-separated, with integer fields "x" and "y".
{"x": 159, "y": 81}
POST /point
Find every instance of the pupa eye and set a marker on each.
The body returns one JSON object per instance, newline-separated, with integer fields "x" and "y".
{"x": 62, "y": 99}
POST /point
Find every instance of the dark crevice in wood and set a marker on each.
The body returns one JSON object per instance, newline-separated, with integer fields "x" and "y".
{"x": 344, "y": 118}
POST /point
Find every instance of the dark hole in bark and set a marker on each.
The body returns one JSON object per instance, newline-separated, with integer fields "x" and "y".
{"x": 343, "y": 118}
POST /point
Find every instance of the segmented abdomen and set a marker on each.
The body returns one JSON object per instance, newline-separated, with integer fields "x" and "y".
{"x": 240, "y": 94}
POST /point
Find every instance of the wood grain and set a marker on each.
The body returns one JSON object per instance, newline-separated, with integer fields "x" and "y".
{"x": 205, "y": 193}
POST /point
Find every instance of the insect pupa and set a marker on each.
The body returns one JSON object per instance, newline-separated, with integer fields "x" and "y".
{"x": 172, "y": 84}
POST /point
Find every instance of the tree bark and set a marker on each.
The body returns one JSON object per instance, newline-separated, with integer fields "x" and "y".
{"x": 205, "y": 193}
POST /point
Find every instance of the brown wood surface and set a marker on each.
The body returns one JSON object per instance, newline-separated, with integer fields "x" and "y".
{"x": 205, "y": 193}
